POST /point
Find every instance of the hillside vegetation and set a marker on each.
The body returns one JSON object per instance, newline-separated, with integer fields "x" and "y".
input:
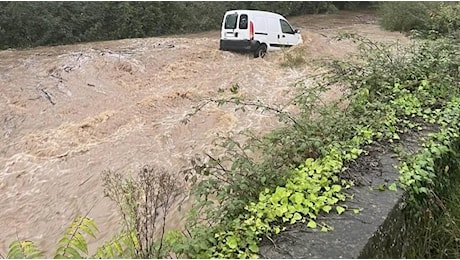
{"x": 29, "y": 24}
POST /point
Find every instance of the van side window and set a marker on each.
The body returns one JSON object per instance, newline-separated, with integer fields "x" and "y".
{"x": 285, "y": 27}
{"x": 230, "y": 21}
{"x": 243, "y": 21}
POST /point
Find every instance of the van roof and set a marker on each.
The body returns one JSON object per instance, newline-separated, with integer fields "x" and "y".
{"x": 254, "y": 12}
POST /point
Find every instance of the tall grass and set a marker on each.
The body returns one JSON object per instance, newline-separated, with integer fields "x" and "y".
{"x": 436, "y": 233}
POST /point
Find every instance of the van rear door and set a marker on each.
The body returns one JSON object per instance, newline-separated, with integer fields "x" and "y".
{"x": 236, "y": 27}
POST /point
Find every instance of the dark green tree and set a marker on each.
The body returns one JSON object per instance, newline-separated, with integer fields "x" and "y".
{"x": 29, "y": 24}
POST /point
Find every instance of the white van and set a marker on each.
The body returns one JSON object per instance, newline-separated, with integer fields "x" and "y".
{"x": 257, "y": 32}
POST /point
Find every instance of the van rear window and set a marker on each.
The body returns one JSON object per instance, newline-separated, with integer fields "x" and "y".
{"x": 230, "y": 21}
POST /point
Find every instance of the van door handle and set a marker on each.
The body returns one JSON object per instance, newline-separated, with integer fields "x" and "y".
{"x": 278, "y": 36}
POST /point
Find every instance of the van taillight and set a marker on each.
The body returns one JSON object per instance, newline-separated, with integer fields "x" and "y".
{"x": 251, "y": 30}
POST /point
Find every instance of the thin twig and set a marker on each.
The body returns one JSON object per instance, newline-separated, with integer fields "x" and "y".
{"x": 48, "y": 96}
{"x": 271, "y": 240}
{"x": 221, "y": 167}
{"x": 165, "y": 211}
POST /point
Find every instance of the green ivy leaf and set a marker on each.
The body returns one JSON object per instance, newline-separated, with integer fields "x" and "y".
{"x": 296, "y": 217}
{"x": 336, "y": 188}
{"x": 254, "y": 248}
{"x": 263, "y": 179}
{"x": 327, "y": 208}
{"x": 381, "y": 187}
{"x": 311, "y": 224}
{"x": 392, "y": 187}
{"x": 297, "y": 198}
{"x": 232, "y": 242}
{"x": 340, "y": 209}
{"x": 423, "y": 190}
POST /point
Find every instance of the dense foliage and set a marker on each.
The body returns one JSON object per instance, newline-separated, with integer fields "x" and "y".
{"x": 429, "y": 18}
{"x": 405, "y": 16}
{"x": 29, "y": 24}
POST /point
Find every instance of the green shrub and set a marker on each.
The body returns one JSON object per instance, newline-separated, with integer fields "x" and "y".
{"x": 406, "y": 16}
{"x": 384, "y": 65}
{"x": 30, "y": 24}
{"x": 446, "y": 20}
{"x": 251, "y": 162}
{"x": 391, "y": 86}
{"x": 427, "y": 19}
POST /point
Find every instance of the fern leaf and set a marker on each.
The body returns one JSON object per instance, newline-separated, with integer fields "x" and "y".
{"x": 23, "y": 249}
{"x": 14, "y": 250}
{"x": 121, "y": 246}
{"x": 63, "y": 240}
{"x": 79, "y": 243}
{"x": 73, "y": 244}
{"x": 58, "y": 256}
{"x": 134, "y": 239}
{"x": 88, "y": 229}
{"x": 110, "y": 251}
{"x": 34, "y": 255}
{"x": 99, "y": 254}
{"x": 102, "y": 253}
{"x": 73, "y": 253}
{"x": 118, "y": 247}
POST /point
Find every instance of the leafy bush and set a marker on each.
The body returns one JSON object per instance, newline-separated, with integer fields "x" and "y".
{"x": 421, "y": 85}
{"x": 446, "y": 20}
{"x": 388, "y": 88}
{"x": 385, "y": 65}
{"x": 252, "y": 163}
{"x": 425, "y": 19}
{"x": 406, "y": 16}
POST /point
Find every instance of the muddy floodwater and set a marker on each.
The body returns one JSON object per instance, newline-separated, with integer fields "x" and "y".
{"x": 67, "y": 113}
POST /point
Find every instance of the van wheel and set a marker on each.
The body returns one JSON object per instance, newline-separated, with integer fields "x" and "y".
{"x": 261, "y": 51}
